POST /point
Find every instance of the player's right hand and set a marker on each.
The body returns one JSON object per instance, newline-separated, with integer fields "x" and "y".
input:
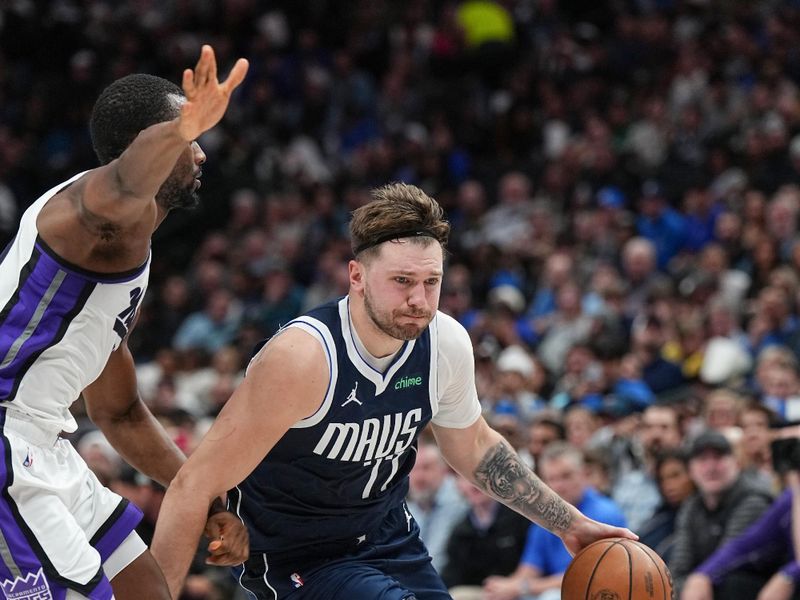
{"x": 584, "y": 531}
{"x": 206, "y": 98}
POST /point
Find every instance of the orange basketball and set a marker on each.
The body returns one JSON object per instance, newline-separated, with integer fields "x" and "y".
{"x": 617, "y": 569}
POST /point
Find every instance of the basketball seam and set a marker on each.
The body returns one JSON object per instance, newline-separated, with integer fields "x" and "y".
{"x": 658, "y": 570}
{"x": 594, "y": 569}
{"x": 630, "y": 571}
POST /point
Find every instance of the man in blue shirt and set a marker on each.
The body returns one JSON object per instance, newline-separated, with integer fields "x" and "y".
{"x": 544, "y": 560}
{"x": 661, "y": 224}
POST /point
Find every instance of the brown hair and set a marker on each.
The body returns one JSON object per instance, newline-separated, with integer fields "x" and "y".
{"x": 397, "y": 210}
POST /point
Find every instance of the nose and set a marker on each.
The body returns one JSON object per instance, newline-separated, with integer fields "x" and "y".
{"x": 199, "y": 155}
{"x": 416, "y": 295}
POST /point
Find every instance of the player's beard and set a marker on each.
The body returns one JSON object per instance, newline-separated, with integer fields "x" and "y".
{"x": 174, "y": 194}
{"x": 387, "y": 323}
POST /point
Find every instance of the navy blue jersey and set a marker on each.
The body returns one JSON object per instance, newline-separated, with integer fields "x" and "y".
{"x": 331, "y": 479}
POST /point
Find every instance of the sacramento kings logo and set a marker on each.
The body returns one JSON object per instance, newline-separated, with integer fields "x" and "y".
{"x": 31, "y": 587}
{"x": 605, "y": 595}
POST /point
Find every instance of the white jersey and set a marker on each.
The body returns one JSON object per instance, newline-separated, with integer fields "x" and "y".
{"x": 59, "y": 323}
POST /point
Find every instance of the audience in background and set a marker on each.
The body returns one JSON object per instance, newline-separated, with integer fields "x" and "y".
{"x": 622, "y": 180}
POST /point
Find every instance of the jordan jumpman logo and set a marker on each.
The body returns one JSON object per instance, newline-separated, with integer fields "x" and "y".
{"x": 352, "y": 396}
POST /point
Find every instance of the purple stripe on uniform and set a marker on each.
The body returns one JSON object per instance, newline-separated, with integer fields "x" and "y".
{"x": 118, "y": 531}
{"x": 22, "y": 553}
{"x": 50, "y": 323}
{"x": 20, "y": 548}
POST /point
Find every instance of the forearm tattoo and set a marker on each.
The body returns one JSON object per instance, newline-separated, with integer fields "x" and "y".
{"x": 503, "y": 475}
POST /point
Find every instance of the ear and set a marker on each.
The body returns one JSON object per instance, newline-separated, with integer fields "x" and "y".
{"x": 357, "y": 275}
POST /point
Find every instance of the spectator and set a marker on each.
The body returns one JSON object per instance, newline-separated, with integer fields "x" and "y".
{"x": 659, "y": 374}
{"x": 724, "y": 505}
{"x": 213, "y": 327}
{"x": 506, "y": 421}
{"x": 507, "y": 225}
{"x": 721, "y": 409}
{"x": 675, "y": 486}
{"x": 100, "y": 456}
{"x": 755, "y": 456}
{"x": 280, "y": 302}
{"x": 558, "y": 269}
{"x": 663, "y": 226}
{"x": 640, "y": 269}
{"x": 487, "y": 541}
{"x": 582, "y": 380}
{"x": 580, "y": 424}
{"x": 545, "y": 428}
{"x": 635, "y": 490}
{"x": 567, "y": 326}
{"x": 598, "y": 471}
{"x": 434, "y": 501}
{"x": 780, "y": 385}
{"x": 761, "y": 561}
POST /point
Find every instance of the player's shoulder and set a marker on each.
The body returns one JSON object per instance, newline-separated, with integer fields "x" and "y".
{"x": 452, "y": 336}
{"x": 448, "y": 325}
{"x": 293, "y": 347}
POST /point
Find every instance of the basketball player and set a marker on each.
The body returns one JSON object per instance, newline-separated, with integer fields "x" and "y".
{"x": 319, "y": 438}
{"x": 71, "y": 284}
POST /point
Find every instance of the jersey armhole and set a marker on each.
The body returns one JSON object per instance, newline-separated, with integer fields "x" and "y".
{"x": 320, "y": 332}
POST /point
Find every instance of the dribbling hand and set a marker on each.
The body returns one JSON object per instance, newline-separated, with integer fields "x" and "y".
{"x": 585, "y": 531}
{"x": 206, "y": 98}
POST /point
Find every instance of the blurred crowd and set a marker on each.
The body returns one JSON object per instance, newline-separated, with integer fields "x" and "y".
{"x": 623, "y": 182}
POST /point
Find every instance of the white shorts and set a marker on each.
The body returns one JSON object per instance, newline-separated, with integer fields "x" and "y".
{"x": 59, "y": 525}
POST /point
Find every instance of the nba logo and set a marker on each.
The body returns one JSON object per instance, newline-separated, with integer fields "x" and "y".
{"x": 296, "y": 580}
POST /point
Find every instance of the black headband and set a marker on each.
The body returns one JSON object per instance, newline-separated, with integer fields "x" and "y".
{"x": 394, "y": 235}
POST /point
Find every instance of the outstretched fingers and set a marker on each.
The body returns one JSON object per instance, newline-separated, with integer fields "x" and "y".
{"x": 188, "y": 83}
{"x": 205, "y": 72}
{"x": 205, "y": 64}
{"x": 211, "y": 71}
{"x": 236, "y": 76}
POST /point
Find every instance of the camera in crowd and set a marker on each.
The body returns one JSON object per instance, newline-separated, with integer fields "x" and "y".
{"x": 786, "y": 454}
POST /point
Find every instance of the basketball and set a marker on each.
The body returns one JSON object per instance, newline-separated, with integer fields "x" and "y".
{"x": 617, "y": 569}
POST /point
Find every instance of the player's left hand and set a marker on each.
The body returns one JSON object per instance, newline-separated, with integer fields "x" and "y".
{"x": 584, "y": 531}
{"x": 230, "y": 544}
{"x": 206, "y": 97}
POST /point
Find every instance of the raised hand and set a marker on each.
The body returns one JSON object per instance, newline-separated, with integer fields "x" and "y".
{"x": 207, "y": 98}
